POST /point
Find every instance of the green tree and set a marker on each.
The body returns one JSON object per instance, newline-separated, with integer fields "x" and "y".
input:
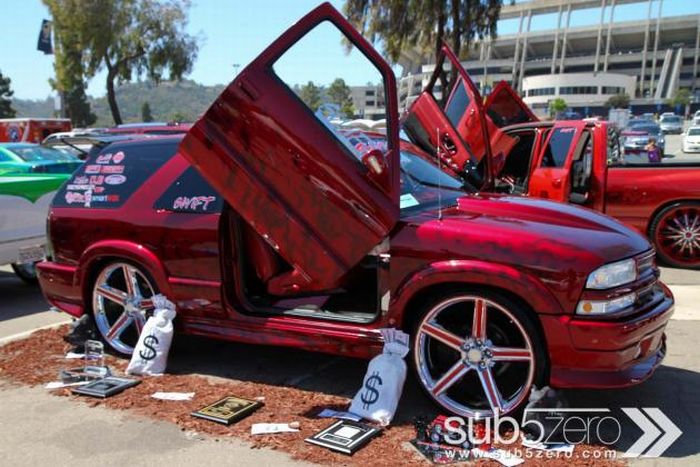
{"x": 340, "y": 94}
{"x": 146, "y": 115}
{"x": 127, "y": 38}
{"x": 618, "y": 101}
{"x": 179, "y": 117}
{"x": 557, "y": 105}
{"x": 6, "y": 93}
{"x": 311, "y": 95}
{"x": 398, "y": 25}
{"x": 680, "y": 97}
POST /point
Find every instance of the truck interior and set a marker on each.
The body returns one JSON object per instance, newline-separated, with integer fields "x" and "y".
{"x": 255, "y": 267}
{"x": 514, "y": 175}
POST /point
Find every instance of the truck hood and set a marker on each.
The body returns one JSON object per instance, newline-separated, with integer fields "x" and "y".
{"x": 532, "y": 233}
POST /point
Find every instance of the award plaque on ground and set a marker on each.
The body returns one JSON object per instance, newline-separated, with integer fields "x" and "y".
{"x": 228, "y": 410}
{"x": 344, "y": 436}
{"x": 106, "y": 387}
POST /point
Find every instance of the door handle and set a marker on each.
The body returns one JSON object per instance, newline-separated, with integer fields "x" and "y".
{"x": 448, "y": 143}
{"x": 556, "y": 183}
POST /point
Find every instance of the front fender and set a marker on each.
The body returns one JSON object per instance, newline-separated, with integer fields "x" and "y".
{"x": 126, "y": 250}
{"x": 470, "y": 272}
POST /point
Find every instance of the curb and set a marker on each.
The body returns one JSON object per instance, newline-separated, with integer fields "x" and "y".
{"x": 25, "y": 334}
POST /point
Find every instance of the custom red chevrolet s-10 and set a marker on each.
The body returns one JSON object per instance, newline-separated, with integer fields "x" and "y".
{"x": 269, "y": 223}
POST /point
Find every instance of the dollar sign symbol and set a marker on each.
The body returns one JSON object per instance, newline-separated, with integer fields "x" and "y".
{"x": 371, "y": 395}
{"x": 149, "y": 342}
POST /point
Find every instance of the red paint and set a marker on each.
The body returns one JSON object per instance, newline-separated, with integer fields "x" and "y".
{"x": 537, "y": 251}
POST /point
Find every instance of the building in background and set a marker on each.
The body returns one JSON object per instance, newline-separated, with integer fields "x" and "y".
{"x": 648, "y": 59}
{"x": 368, "y": 101}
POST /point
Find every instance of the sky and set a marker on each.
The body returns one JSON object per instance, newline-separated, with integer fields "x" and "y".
{"x": 233, "y": 32}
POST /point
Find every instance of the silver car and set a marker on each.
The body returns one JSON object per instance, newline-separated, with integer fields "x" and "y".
{"x": 671, "y": 124}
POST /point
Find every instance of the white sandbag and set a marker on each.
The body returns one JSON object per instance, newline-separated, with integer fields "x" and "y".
{"x": 383, "y": 384}
{"x": 150, "y": 355}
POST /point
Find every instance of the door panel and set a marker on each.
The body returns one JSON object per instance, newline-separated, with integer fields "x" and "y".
{"x": 461, "y": 118}
{"x": 551, "y": 179}
{"x": 503, "y": 108}
{"x": 290, "y": 174}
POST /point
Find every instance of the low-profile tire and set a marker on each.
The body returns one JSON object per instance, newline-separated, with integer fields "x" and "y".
{"x": 675, "y": 232}
{"x": 476, "y": 353}
{"x": 26, "y": 272}
{"x": 121, "y": 303}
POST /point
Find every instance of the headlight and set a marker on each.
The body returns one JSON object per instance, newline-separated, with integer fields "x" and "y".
{"x": 613, "y": 275}
{"x": 605, "y": 307}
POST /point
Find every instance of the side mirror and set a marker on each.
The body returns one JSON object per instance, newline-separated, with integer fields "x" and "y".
{"x": 375, "y": 162}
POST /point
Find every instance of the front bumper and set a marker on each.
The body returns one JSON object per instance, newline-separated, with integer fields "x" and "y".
{"x": 60, "y": 286}
{"x": 587, "y": 353}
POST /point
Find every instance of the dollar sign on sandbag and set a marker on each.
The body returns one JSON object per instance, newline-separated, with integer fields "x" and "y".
{"x": 149, "y": 342}
{"x": 371, "y": 395}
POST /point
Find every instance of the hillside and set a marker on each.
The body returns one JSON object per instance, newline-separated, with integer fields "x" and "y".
{"x": 187, "y": 99}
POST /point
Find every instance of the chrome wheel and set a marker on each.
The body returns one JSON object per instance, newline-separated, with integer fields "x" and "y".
{"x": 474, "y": 357}
{"x": 121, "y": 303}
{"x": 677, "y": 235}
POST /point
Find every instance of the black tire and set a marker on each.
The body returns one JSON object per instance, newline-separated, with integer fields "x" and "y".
{"x": 26, "y": 272}
{"x": 524, "y": 317}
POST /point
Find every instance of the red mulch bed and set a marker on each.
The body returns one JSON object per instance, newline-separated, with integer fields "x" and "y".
{"x": 37, "y": 360}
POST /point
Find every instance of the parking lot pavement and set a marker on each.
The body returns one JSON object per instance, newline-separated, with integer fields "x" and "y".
{"x": 39, "y": 429}
{"x": 22, "y": 307}
{"x": 674, "y": 152}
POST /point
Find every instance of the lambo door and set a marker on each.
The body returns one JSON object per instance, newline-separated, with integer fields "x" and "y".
{"x": 450, "y": 124}
{"x": 504, "y": 107}
{"x": 273, "y": 145}
{"x": 551, "y": 177}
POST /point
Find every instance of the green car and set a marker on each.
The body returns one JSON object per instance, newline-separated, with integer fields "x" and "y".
{"x": 33, "y": 158}
{"x": 24, "y": 205}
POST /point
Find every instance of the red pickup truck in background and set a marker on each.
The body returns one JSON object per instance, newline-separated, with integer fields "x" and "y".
{"x": 575, "y": 161}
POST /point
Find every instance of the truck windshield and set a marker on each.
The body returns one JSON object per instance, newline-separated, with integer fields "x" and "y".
{"x": 424, "y": 185}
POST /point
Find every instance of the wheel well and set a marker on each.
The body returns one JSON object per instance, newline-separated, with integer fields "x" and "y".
{"x": 411, "y": 316}
{"x": 658, "y": 210}
{"x": 90, "y": 275}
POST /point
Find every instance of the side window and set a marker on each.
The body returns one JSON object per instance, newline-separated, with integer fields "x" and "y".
{"x": 4, "y": 157}
{"x": 557, "y": 147}
{"x": 457, "y": 104}
{"x": 332, "y": 81}
{"x": 110, "y": 176}
{"x": 581, "y": 169}
{"x": 190, "y": 194}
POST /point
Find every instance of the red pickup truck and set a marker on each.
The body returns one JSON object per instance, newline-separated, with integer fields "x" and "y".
{"x": 570, "y": 161}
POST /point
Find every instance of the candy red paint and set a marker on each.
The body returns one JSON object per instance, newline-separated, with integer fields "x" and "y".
{"x": 536, "y": 251}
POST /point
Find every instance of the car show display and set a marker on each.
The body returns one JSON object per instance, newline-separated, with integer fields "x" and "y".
{"x": 499, "y": 258}
{"x": 344, "y": 436}
{"x": 382, "y": 386}
{"x": 228, "y": 410}
{"x": 346, "y": 232}
{"x": 150, "y": 356}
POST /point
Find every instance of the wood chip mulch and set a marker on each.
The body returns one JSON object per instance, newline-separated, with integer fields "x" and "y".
{"x": 38, "y": 359}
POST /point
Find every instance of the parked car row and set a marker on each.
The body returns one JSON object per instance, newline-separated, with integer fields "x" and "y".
{"x": 269, "y": 223}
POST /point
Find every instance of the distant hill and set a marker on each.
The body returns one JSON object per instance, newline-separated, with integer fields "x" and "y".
{"x": 186, "y": 98}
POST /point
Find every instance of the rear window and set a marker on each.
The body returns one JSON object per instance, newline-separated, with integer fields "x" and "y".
{"x": 110, "y": 176}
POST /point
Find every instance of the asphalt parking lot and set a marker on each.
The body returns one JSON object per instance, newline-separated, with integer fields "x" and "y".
{"x": 117, "y": 439}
